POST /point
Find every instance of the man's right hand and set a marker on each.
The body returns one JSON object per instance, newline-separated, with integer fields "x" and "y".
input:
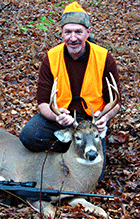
{"x": 64, "y": 119}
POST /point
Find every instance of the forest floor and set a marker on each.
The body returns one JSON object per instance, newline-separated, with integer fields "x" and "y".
{"x": 25, "y": 37}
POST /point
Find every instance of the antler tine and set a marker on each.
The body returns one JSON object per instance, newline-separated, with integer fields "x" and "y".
{"x": 75, "y": 123}
{"x": 112, "y": 103}
{"x": 110, "y": 85}
{"x": 110, "y": 90}
{"x": 53, "y": 104}
{"x": 93, "y": 117}
{"x": 114, "y": 82}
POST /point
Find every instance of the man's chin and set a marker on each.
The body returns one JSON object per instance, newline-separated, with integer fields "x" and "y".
{"x": 72, "y": 50}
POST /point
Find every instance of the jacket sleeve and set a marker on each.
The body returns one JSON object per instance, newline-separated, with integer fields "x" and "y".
{"x": 45, "y": 82}
{"x": 110, "y": 66}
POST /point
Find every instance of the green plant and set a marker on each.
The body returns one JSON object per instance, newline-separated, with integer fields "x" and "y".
{"x": 42, "y": 23}
{"x": 90, "y": 3}
{"x": 62, "y": 3}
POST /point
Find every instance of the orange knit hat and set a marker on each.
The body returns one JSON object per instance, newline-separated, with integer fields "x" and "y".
{"x": 74, "y": 13}
{"x": 73, "y": 7}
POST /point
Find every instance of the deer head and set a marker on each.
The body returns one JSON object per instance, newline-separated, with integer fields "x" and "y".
{"x": 85, "y": 136}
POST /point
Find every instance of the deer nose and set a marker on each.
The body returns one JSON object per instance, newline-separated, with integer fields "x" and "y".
{"x": 91, "y": 155}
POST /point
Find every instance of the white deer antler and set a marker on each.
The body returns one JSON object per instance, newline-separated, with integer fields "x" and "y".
{"x": 112, "y": 103}
{"x": 53, "y": 104}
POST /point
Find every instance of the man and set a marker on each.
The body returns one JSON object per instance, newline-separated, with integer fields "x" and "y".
{"x": 81, "y": 68}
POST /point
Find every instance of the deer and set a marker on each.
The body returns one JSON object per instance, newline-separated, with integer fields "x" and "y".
{"x": 78, "y": 169}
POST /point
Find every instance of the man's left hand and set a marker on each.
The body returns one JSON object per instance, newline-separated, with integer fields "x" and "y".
{"x": 101, "y": 123}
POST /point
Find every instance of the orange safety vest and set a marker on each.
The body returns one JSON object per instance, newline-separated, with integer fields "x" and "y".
{"x": 91, "y": 90}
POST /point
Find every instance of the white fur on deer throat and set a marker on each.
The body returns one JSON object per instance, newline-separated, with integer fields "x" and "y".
{"x": 87, "y": 162}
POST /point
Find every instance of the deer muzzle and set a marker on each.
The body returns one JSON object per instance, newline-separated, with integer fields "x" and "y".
{"x": 91, "y": 155}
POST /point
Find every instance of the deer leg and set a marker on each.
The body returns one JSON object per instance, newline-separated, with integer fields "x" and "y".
{"x": 2, "y": 178}
{"x": 88, "y": 206}
{"x": 47, "y": 208}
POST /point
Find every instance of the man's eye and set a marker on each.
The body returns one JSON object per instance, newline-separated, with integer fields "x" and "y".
{"x": 79, "y": 32}
{"x": 67, "y": 32}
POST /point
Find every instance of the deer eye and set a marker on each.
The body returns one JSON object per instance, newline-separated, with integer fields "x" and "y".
{"x": 78, "y": 138}
{"x": 97, "y": 136}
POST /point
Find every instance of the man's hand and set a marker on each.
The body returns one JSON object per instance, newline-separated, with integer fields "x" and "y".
{"x": 101, "y": 123}
{"x": 65, "y": 119}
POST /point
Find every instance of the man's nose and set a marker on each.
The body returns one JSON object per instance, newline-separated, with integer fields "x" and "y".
{"x": 73, "y": 36}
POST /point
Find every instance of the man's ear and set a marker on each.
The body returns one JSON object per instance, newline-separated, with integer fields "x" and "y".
{"x": 62, "y": 32}
{"x": 89, "y": 31}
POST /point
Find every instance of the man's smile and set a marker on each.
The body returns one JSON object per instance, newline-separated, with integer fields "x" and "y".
{"x": 73, "y": 45}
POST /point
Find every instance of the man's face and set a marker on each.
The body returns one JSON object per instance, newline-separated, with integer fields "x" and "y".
{"x": 74, "y": 36}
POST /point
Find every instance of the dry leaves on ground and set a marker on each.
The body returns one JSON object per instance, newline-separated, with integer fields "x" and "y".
{"x": 116, "y": 26}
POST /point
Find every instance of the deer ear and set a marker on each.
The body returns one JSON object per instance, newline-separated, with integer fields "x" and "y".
{"x": 63, "y": 135}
